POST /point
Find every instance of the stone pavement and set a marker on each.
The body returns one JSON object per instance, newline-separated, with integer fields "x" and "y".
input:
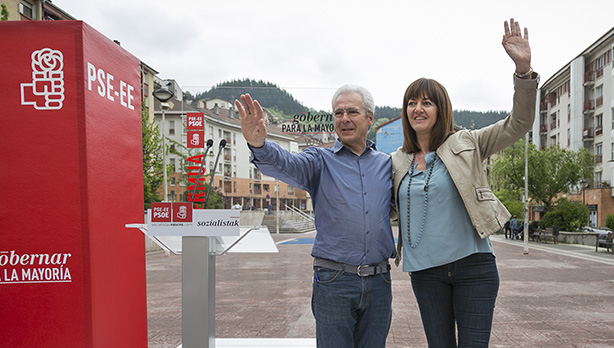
{"x": 554, "y": 296}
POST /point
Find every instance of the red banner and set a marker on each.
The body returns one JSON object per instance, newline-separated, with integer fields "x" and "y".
{"x": 71, "y": 274}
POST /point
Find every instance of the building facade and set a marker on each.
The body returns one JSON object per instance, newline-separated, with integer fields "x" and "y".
{"x": 576, "y": 109}
{"x": 37, "y": 10}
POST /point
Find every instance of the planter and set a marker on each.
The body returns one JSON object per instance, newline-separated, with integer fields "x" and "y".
{"x": 582, "y": 238}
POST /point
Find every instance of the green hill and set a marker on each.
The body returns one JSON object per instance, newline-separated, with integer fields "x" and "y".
{"x": 279, "y": 102}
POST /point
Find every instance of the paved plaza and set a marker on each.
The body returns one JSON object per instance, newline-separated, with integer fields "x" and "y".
{"x": 555, "y": 296}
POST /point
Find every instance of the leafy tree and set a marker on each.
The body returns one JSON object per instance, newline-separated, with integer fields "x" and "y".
{"x": 512, "y": 200}
{"x": 609, "y": 221}
{"x": 552, "y": 171}
{"x": 4, "y": 15}
{"x": 152, "y": 158}
{"x": 569, "y": 216}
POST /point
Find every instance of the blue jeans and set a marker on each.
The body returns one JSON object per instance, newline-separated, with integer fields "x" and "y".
{"x": 462, "y": 293}
{"x": 351, "y": 311}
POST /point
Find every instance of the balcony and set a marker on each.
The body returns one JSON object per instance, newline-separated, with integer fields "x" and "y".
{"x": 543, "y": 128}
{"x": 553, "y": 125}
{"x": 227, "y": 158}
{"x": 598, "y": 130}
{"x": 543, "y": 107}
{"x": 258, "y": 177}
{"x": 589, "y": 106}
{"x": 589, "y": 78}
{"x": 598, "y": 158}
{"x": 587, "y": 134}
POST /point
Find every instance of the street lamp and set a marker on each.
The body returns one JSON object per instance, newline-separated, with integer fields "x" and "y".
{"x": 163, "y": 95}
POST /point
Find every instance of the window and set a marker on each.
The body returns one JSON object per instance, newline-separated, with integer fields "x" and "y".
{"x": 172, "y": 180}
{"x": 171, "y": 127}
{"x": 598, "y": 124}
{"x": 173, "y": 196}
{"x": 612, "y": 151}
{"x": 599, "y": 153}
{"x": 265, "y": 187}
{"x": 599, "y": 96}
{"x": 234, "y": 187}
{"x": 290, "y": 190}
{"x": 598, "y": 178}
{"x": 26, "y": 9}
{"x": 172, "y": 163}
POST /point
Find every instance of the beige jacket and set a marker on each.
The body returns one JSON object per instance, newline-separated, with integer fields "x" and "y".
{"x": 463, "y": 154}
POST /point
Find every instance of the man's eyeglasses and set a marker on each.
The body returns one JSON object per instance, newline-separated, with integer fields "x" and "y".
{"x": 351, "y": 112}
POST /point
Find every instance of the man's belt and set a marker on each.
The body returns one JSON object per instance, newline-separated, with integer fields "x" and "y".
{"x": 362, "y": 270}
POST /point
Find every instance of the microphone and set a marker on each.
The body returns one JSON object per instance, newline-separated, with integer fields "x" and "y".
{"x": 222, "y": 145}
{"x": 209, "y": 145}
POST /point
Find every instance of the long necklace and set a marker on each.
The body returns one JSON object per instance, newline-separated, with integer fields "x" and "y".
{"x": 426, "y": 198}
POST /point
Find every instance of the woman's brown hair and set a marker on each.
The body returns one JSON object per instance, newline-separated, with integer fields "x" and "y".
{"x": 444, "y": 126}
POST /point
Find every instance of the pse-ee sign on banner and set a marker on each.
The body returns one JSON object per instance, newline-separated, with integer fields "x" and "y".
{"x": 71, "y": 274}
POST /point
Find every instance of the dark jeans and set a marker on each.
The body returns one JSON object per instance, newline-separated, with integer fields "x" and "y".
{"x": 462, "y": 292}
{"x": 351, "y": 311}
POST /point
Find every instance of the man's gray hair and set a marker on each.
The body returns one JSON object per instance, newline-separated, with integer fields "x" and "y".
{"x": 367, "y": 98}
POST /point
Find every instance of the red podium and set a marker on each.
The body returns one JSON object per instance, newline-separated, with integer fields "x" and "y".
{"x": 71, "y": 273}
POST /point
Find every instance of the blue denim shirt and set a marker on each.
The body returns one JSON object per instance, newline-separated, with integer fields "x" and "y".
{"x": 351, "y": 198}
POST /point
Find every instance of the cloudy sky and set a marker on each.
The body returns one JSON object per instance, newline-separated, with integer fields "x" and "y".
{"x": 309, "y": 48}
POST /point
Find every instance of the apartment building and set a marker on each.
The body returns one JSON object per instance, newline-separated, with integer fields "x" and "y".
{"x": 576, "y": 109}
{"x": 236, "y": 178}
{"x": 38, "y": 10}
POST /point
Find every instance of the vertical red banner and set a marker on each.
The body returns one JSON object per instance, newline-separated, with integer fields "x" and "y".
{"x": 71, "y": 274}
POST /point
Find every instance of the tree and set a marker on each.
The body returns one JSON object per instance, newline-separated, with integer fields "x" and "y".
{"x": 152, "y": 159}
{"x": 4, "y": 15}
{"x": 569, "y": 216}
{"x": 552, "y": 170}
{"x": 512, "y": 200}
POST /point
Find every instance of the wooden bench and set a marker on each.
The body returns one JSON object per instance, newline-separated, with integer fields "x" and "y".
{"x": 605, "y": 243}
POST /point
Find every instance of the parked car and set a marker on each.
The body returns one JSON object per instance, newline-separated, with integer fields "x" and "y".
{"x": 603, "y": 233}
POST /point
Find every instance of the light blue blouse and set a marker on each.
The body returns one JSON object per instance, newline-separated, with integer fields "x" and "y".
{"x": 447, "y": 235}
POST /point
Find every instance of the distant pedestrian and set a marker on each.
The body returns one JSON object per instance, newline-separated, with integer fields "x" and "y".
{"x": 269, "y": 207}
{"x": 515, "y": 226}
{"x": 507, "y": 229}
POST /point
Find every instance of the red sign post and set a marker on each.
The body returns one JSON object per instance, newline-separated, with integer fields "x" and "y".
{"x": 71, "y": 274}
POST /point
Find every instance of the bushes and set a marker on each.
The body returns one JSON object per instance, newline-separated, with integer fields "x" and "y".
{"x": 609, "y": 221}
{"x": 569, "y": 216}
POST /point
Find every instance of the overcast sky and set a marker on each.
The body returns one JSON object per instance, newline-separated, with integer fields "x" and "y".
{"x": 310, "y": 48}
